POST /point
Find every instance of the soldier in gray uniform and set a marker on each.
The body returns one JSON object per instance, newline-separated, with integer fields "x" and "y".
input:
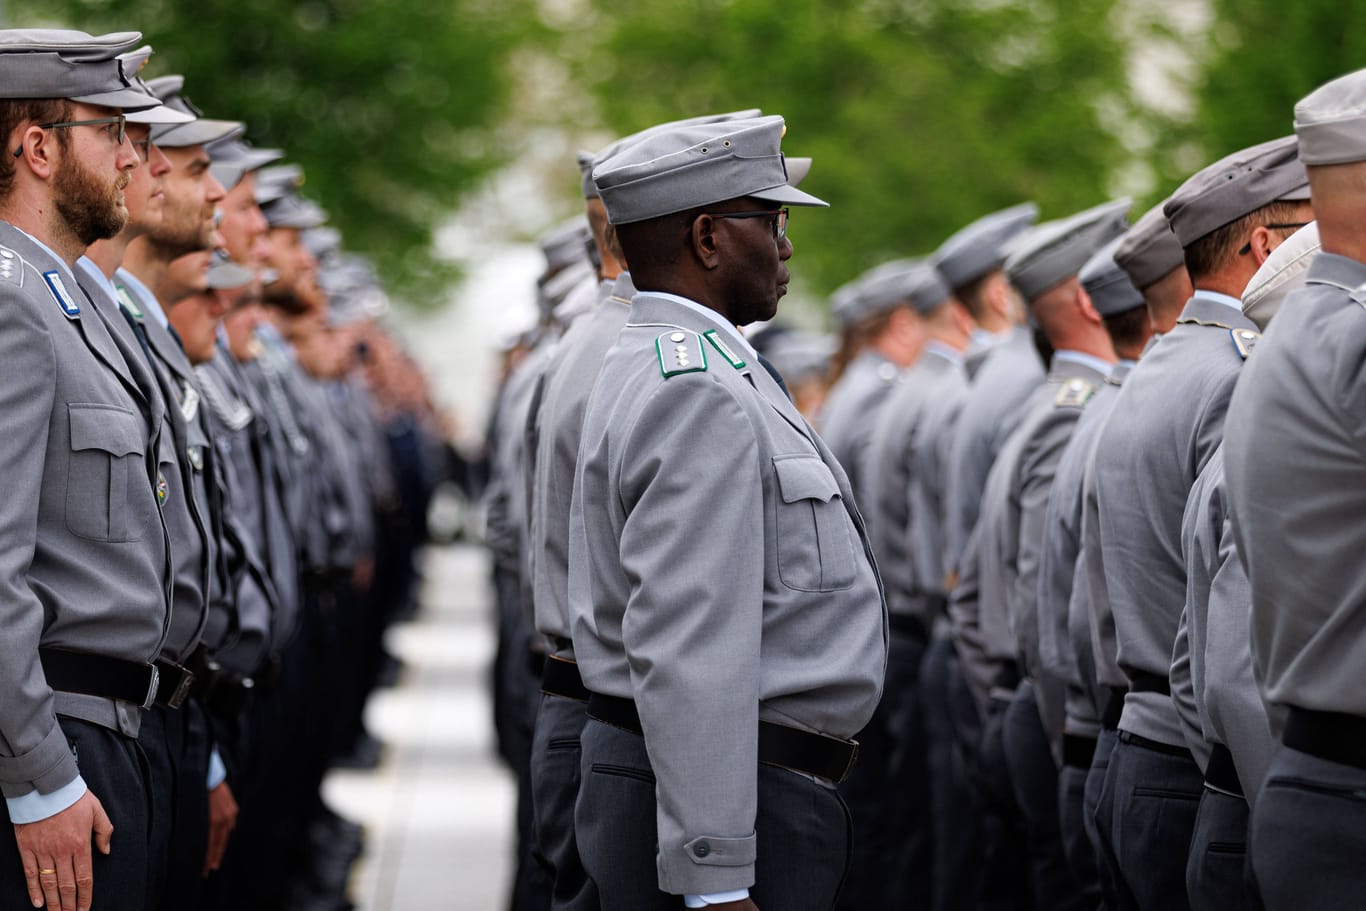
{"x": 1150, "y": 252}
{"x": 1044, "y": 269}
{"x": 969, "y": 263}
{"x": 1213, "y": 687}
{"x": 1167, "y": 420}
{"x": 85, "y": 571}
{"x": 558, "y": 419}
{"x": 889, "y": 342}
{"x": 1073, "y": 732}
{"x": 903, "y": 826}
{"x": 1295, "y": 471}
{"x": 727, "y": 616}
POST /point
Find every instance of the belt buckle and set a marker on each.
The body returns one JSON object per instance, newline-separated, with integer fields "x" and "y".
{"x": 849, "y": 767}
{"x": 182, "y": 689}
{"x": 153, "y": 681}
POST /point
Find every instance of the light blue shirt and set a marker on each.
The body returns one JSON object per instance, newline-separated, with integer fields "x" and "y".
{"x": 1218, "y": 298}
{"x": 1098, "y": 364}
{"x": 146, "y": 299}
{"x": 947, "y": 352}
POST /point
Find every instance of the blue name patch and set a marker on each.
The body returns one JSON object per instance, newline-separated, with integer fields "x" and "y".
{"x": 60, "y": 294}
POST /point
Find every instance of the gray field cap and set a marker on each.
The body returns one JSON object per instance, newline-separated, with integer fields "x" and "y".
{"x": 687, "y": 167}
{"x": 1330, "y": 122}
{"x": 292, "y": 211}
{"x": 798, "y": 355}
{"x": 585, "y": 159}
{"x": 234, "y": 158}
{"x": 133, "y": 62}
{"x": 200, "y": 130}
{"x": 1236, "y": 185}
{"x": 590, "y": 189}
{"x": 845, "y": 303}
{"x": 324, "y": 243}
{"x": 65, "y": 63}
{"x": 886, "y": 287}
{"x": 275, "y": 182}
{"x": 565, "y": 244}
{"x": 1055, "y": 253}
{"x": 1111, "y": 289}
{"x": 926, "y": 288}
{"x": 1150, "y": 251}
{"x": 980, "y": 247}
{"x": 1283, "y": 272}
{"x": 225, "y": 274}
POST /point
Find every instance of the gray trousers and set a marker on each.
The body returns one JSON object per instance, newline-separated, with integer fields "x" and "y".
{"x": 1308, "y": 838}
{"x": 1076, "y": 843}
{"x": 555, "y": 764}
{"x": 1098, "y": 814}
{"x": 1216, "y": 873}
{"x": 802, "y": 831}
{"x": 1156, "y": 792}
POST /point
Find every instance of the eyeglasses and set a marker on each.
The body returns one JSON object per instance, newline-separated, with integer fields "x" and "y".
{"x": 117, "y": 120}
{"x": 779, "y": 217}
{"x": 1286, "y": 226}
{"x": 144, "y": 148}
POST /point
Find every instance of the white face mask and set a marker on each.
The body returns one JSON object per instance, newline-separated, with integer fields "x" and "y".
{"x": 1283, "y": 272}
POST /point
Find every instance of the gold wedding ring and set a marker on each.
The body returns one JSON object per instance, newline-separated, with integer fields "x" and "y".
{"x": 47, "y": 872}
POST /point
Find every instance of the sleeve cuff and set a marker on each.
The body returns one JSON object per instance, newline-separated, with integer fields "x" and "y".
{"x": 715, "y": 898}
{"x": 218, "y": 772}
{"x": 35, "y": 807}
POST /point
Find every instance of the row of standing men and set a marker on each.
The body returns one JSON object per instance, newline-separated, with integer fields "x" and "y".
{"x": 220, "y": 464}
{"x": 1101, "y": 654}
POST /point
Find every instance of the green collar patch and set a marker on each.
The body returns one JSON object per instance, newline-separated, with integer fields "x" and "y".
{"x": 126, "y": 300}
{"x": 712, "y": 336}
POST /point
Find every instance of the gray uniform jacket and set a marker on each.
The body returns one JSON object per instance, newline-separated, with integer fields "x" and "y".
{"x": 890, "y": 486}
{"x": 1064, "y": 616}
{"x": 1009, "y": 372}
{"x": 185, "y": 464}
{"x": 718, "y": 574}
{"x": 928, "y": 473}
{"x": 1166, "y": 423}
{"x": 1296, "y": 466}
{"x": 84, "y": 566}
{"x": 847, "y": 416}
{"x": 566, "y": 384}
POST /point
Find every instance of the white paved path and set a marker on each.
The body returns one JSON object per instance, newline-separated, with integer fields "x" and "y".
{"x": 439, "y": 811}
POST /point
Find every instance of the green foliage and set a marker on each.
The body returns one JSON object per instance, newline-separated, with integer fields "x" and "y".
{"x": 920, "y": 114}
{"x": 1260, "y": 57}
{"x": 390, "y": 106}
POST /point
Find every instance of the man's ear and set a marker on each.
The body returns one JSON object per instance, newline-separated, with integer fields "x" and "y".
{"x": 706, "y": 244}
{"x": 34, "y": 148}
{"x": 1087, "y": 306}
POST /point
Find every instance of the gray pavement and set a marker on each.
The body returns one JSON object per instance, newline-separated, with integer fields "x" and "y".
{"x": 438, "y": 813}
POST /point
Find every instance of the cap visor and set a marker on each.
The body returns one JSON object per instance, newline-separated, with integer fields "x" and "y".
{"x": 229, "y": 175}
{"x": 198, "y": 132}
{"x": 789, "y": 196}
{"x": 229, "y": 275}
{"x": 797, "y": 169}
{"x": 124, "y": 99}
{"x": 159, "y": 115}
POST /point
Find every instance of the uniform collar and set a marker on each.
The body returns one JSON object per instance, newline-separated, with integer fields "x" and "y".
{"x": 146, "y": 299}
{"x": 707, "y": 313}
{"x": 61, "y": 263}
{"x": 1226, "y": 300}
{"x": 1082, "y": 359}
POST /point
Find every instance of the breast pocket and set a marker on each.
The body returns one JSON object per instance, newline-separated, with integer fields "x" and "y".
{"x": 815, "y": 537}
{"x": 106, "y": 484}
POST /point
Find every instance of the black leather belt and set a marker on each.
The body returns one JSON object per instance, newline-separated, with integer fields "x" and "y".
{"x": 1156, "y": 746}
{"x": 1114, "y": 707}
{"x": 561, "y": 678}
{"x": 1220, "y": 773}
{"x": 174, "y": 684}
{"x": 230, "y": 698}
{"x": 779, "y": 745}
{"x": 908, "y": 625}
{"x": 100, "y": 675}
{"x": 1328, "y": 735}
{"x": 1143, "y": 682}
{"x": 1078, "y": 752}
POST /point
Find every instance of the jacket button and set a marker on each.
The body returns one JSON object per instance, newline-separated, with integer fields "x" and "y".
{"x": 701, "y": 849}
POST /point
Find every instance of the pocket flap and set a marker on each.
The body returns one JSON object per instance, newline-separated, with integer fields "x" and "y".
{"x": 106, "y": 428}
{"x": 805, "y": 478}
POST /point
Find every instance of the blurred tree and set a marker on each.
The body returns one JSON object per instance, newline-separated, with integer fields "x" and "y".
{"x": 920, "y": 114}
{"x": 1256, "y": 60}
{"x": 390, "y": 106}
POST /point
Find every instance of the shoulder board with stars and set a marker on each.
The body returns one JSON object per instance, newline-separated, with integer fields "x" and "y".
{"x": 1244, "y": 340}
{"x": 680, "y": 352}
{"x": 716, "y": 342}
{"x": 1074, "y": 393}
{"x": 11, "y": 267}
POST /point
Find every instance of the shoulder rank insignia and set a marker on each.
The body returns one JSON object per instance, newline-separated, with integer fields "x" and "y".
{"x": 715, "y": 339}
{"x": 60, "y": 294}
{"x": 680, "y": 352}
{"x": 127, "y": 302}
{"x": 1244, "y": 340}
{"x": 1074, "y": 393}
{"x": 11, "y": 267}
